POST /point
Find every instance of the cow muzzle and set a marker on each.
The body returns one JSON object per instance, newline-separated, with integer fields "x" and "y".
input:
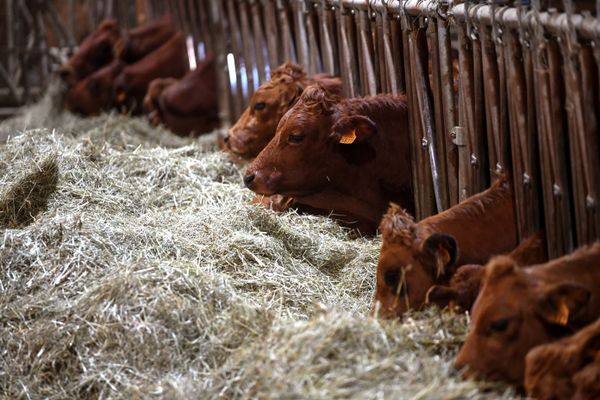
{"x": 262, "y": 183}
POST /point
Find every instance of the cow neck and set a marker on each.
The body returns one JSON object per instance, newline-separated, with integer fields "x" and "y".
{"x": 579, "y": 267}
{"x": 379, "y": 108}
{"x": 388, "y": 112}
{"x": 483, "y": 225}
{"x": 339, "y": 202}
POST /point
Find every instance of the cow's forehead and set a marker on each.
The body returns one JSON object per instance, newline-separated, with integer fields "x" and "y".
{"x": 395, "y": 254}
{"x": 299, "y": 118}
{"x": 502, "y": 299}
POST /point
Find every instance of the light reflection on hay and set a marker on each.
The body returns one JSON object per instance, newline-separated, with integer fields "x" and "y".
{"x": 148, "y": 274}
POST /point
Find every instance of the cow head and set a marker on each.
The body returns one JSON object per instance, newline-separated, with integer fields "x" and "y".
{"x": 257, "y": 125}
{"x": 307, "y": 152}
{"x": 514, "y": 313}
{"x": 463, "y": 289}
{"x": 95, "y": 52}
{"x": 411, "y": 261}
{"x": 95, "y": 92}
{"x": 550, "y": 368}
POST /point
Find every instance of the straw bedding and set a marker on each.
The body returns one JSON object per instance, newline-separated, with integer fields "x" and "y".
{"x": 132, "y": 265}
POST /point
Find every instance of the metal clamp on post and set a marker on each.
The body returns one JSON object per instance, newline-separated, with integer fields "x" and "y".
{"x": 458, "y": 136}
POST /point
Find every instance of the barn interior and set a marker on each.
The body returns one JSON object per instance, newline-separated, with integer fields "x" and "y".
{"x": 135, "y": 264}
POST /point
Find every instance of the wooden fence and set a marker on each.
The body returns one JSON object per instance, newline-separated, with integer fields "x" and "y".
{"x": 525, "y": 101}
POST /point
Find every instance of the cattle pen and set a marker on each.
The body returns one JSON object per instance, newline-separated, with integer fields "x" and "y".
{"x": 465, "y": 129}
{"x": 459, "y": 63}
{"x": 133, "y": 263}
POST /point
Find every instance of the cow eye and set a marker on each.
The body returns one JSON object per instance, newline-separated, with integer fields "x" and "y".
{"x": 392, "y": 280}
{"x": 259, "y": 106}
{"x": 498, "y": 325}
{"x": 295, "y": 138}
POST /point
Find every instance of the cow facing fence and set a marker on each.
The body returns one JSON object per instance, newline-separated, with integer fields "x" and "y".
{"x": 492, "y": 89}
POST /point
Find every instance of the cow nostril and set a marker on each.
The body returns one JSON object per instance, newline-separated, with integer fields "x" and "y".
{"x": 226, "y": 138}
{"x": 248, "y": 179}
{"x": 64, "y": 74}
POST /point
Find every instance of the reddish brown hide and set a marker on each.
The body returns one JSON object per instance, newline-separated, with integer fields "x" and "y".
{"x": 466, "y": 282}
{"x": 188, "y": 106}
{"x": 169, "y": 60}
{"x": 139, "y": 42}
{"x": 348, "y": 157}
{"x": 94, "y": 52}
{"x": 155, "y": 89}
{"x": 562, "y": 369}
{"x": 257, "y": 125}
{"x": 94, "y": 93}
{"x": 416, "y": 256}
{"x": 518, "y": 309}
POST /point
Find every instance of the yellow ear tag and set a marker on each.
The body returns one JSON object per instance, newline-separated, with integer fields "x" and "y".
{"x": 348, "y": 137}
{"x": 121, "y": 97}
{"x": 562, "y": 317}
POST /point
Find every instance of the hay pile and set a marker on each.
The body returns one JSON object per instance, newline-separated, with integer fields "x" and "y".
{"x": 133, "y": 266}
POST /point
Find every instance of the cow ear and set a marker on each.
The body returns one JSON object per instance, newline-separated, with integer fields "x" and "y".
{"x": 561, "y": 301}
{"x": 93, "y": 87}
{"x": 354, "y": 129}
{"x": 445, "y": 251}
{"x": 440, "y": 295}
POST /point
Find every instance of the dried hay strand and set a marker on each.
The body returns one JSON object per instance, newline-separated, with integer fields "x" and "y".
{"x": 148, "y": 273}
{"x": 28, "y": 195}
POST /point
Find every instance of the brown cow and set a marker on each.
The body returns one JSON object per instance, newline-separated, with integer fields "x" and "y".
{"x": 551, "y": 370}
{"x": 95, "y": 52}
{"x": 257, "y": 125}
{"x": 94, "y": 93}
{"x": 155, "y": 89}
{"x": 187, "y": 106}
{"x": 518, "y": 309}
{"x": 350, "y": 157}
{"x": 466, "y": 282}
{"x": 169, "y": 60}
{"x": 141, "y": 41}
{"x": 416, "y": 256}
{"x": 587, "y": 381}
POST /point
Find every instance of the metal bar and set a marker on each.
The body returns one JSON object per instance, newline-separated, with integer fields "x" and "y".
{"x": 523, "y": 133}
{"x": 314, "y": 59}
{"x": 590, "y": 145}
{"x": 10, "y": 41}
{"x": 285, "y": 33}
{"x": 271, "y": 33}
{"x": 369, "y": 84}
{"x": 552, "y": 144}
{"x": 440, "y": 129}
{"x": 398, "y": 52}
{"x": 238, "y": 96}
{"x": 414, "y": 126}
{"x": 346, "y": 55}
{"x": 207, "y": 26}
{"x": 425, "y": 111}
{"x": 379, "y": 61}
{"x": 586, "y": 27}
{"x": 259, "y": 40}
{"x": 326, "y": 38}
{"x": 389, "y": 65}
{"x": 300, "y": 14}
{"x": 448, "y": 109}
{"x": 491, "y": 87}
{"x": 247, "y": 47}
{"x": 217, "y": 16}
